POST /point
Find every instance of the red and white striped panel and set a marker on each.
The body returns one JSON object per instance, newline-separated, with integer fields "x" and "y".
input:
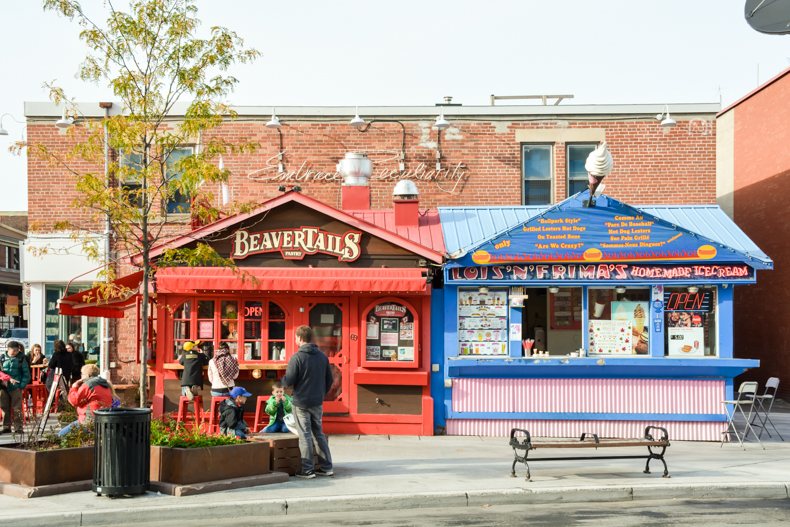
{"x": 650, "y": 396}
{"x": 678, "y": 431}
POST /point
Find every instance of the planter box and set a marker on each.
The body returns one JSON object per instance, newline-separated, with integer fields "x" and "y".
{"x": 48, "y": 467}
{"x": 183, "y": 466}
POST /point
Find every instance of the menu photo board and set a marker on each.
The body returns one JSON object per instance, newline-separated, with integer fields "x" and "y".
{"x": 610, "y": 337}
{"x": 390, "y": 335}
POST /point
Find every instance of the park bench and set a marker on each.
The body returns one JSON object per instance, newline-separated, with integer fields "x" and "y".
{"x": 521, "y": 441}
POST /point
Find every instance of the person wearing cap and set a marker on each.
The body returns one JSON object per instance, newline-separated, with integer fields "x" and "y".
{"x": 231, "y": 412}
{"x": 192, "y": 359}
{"x": 309, "y": 374}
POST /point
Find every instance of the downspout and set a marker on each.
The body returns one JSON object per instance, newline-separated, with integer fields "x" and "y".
{"x": 104, "y": 352}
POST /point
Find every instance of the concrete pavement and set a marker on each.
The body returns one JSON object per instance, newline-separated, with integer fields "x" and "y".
{"x": 395, "y": 472}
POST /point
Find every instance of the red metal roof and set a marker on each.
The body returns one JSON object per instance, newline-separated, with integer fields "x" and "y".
{"x": 428, "y": 233}
{"x": 400, "y": 236}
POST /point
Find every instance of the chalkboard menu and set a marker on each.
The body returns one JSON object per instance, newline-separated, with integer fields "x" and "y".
{"x": 390, "y": 333}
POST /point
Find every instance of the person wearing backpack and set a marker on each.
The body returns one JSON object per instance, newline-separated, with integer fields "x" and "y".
{"x": 14, "y": 365}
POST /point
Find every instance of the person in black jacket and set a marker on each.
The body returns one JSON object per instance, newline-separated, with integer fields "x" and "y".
{"x": 231, "y": 414}
{"x": 63, "y": 360}
{"x": 192, "y": 359}
{"x": 309, "y": 374}
{"x": 77, "y": 362}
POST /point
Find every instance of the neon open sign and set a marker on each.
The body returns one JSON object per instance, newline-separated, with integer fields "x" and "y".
{"x": 253, "y": 311}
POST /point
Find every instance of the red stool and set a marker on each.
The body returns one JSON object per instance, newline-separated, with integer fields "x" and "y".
{"x": 212, "y": 426}
{"x": 261, "y": 417}
{"x": 183, "y": 409}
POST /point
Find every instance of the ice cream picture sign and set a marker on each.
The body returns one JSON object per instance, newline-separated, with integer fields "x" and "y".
{"x": 609, "y": 232}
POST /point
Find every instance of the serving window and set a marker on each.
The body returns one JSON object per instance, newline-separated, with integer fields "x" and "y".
{"x": 254, "y": 329}
{"x": 391, "y": 332}
{"x": 690, "y": 320}
{"x": 618, "y": 321}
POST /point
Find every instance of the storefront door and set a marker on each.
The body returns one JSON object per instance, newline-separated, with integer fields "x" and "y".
{"x": 329, "y": 319}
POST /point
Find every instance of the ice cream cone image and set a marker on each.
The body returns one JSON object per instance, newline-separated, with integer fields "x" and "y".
{"x": 639, "y": 319}
{"x": 598, "y": 165}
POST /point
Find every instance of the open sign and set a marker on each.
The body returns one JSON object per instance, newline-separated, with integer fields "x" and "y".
{"x": 253, "y": 311}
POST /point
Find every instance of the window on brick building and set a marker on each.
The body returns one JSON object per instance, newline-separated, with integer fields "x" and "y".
{"x": 131, "y": 164}
{"x": 179, "y": 202}
{"x": 575, "y": 157}
{"x": 536, "y": 172}
{"x": 11, "y": 255}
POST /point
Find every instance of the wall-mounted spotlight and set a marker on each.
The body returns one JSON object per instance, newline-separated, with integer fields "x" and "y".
{"x": 274, "y": 123}
{"x": 619, "y": 290}
{"x": 692, "y": 289}
{"x": 363, "y": 126}
{"x": 65, "y": 121}
{"x": 483, "y": 290}
{"x": 667, "y": 121}
{"x": 554, "y": 290}
{"x": 441, "y": 124}
{"x": 3, "y": 131}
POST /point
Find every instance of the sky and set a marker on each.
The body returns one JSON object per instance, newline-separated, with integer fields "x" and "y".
{"x": 409, "y": 52}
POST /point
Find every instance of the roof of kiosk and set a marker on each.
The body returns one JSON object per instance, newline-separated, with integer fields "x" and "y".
{"x": 674, "y": 233}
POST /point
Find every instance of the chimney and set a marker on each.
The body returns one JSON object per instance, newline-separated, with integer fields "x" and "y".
{"x": 406, "y": 200}
{"x": 355, "y": 168}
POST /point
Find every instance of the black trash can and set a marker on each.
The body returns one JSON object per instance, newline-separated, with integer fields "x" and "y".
{"x": 122, "y": 452}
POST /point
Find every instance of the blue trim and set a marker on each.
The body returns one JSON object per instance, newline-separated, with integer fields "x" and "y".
{"x": 656, "y": 341}
{"x": 580, "y": 416}
{"x": 724, "y": 320}
{"x": 450, "y": 348}
{"x": 514, "y": 317}
{"x": 437, "y": 355}
{"x": 585, "y": 318}
{"x": 611, "y": 367}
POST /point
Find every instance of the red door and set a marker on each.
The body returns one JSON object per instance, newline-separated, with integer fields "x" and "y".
{"x": 329, "y": 319}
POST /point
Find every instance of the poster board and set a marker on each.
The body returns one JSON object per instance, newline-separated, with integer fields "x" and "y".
{"x": 610, "y": 337}
{"x": 686, "y": 341}
{"x": 637, "y": 313}
{"x": 390, "y": 336}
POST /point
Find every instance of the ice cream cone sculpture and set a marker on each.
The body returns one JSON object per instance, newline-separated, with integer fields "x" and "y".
{"x": 598, "y": 165}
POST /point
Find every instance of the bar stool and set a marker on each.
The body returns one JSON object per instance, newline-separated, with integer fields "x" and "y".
{"x": 260, "y": 413}
{"x": 183, "y": 409}
{"x": 212, "y": 426}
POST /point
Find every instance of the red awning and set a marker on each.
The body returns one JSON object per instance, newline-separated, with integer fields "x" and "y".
{"x": 308, "y": 279}
{"x": 90, "y": 304}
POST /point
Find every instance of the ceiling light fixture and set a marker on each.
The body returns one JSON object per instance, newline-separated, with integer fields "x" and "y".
{"x": 620, "y": 289}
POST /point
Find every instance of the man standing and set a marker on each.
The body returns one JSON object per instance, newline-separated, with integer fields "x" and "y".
{"x": 309, "y": 374}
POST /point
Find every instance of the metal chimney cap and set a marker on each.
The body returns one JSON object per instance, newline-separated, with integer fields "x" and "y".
{"x": 405, "y": 189}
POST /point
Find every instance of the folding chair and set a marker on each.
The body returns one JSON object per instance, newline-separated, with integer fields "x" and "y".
{"x": 746, "y": 393}
{"x": 763, "y": 405}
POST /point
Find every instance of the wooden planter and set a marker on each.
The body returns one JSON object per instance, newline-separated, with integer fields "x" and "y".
{"x": 183, "y": 466}
{"x": 46, "y": 467}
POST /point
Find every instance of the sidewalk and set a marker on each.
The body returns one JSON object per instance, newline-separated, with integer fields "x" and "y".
{"x": 381, "y": 472}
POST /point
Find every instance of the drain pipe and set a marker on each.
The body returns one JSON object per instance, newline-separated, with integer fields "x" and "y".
{"x": 104, "y": 352}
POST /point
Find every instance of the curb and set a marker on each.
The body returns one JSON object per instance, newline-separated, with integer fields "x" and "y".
{"x": 261, "y": 509}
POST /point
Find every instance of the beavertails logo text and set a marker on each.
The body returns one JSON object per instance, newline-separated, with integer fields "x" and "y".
{"x": 294, "y": 244}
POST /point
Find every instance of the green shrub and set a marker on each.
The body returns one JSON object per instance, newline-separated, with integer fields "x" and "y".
{"x": 168, "y": 432}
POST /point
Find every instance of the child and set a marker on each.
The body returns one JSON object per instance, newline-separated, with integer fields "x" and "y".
{"x": 192, "y": 359}
{"x": 17, "y": 376}
{"x": 277, "y": 407}
{"x": 231, "y": 411}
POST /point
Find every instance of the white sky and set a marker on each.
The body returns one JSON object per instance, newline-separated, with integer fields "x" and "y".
{"x": 407, "y": 52}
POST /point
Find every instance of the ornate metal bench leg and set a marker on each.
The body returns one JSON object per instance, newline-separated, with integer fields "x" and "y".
{"x": 513, "y": 468}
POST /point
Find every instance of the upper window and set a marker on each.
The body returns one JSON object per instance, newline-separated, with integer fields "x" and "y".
{"x": 577, "y": 174}
{"x": 130, "y": 165}
{"x": 179, "y": 202}
{"x": 536, "y": 172}
{"x": 12, "y": 258}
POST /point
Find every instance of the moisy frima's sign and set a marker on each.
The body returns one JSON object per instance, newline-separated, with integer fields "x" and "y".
{"x": 594, "y": 272}
{"x": 294, "y": 244}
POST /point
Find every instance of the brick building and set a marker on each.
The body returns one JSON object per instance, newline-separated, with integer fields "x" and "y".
{"x": 497, "y": 155}
{"x": 753, "y": 178}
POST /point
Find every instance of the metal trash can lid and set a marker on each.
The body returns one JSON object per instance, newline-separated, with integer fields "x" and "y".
{"x": 122, "y": 411}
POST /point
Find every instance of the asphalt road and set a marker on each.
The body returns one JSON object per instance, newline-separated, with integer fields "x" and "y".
{"x": 641, "y": 513}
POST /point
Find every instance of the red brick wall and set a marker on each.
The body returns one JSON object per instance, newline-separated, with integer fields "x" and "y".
{"x": 762, "y": 180}
{"x": 651, "y": 167}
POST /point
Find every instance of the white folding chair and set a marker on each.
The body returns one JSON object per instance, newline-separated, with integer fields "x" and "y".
{"x": 746, "y": 392}
{"x": 763, "y": 405}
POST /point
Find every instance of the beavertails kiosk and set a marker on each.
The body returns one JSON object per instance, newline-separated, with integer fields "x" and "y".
{"x": 362, "y": 279}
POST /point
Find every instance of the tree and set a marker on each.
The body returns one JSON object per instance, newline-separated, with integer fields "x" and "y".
{"x": 152, "y": 58}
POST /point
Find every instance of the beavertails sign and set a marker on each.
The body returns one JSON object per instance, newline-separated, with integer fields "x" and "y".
{"x": 294, "y": 244}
